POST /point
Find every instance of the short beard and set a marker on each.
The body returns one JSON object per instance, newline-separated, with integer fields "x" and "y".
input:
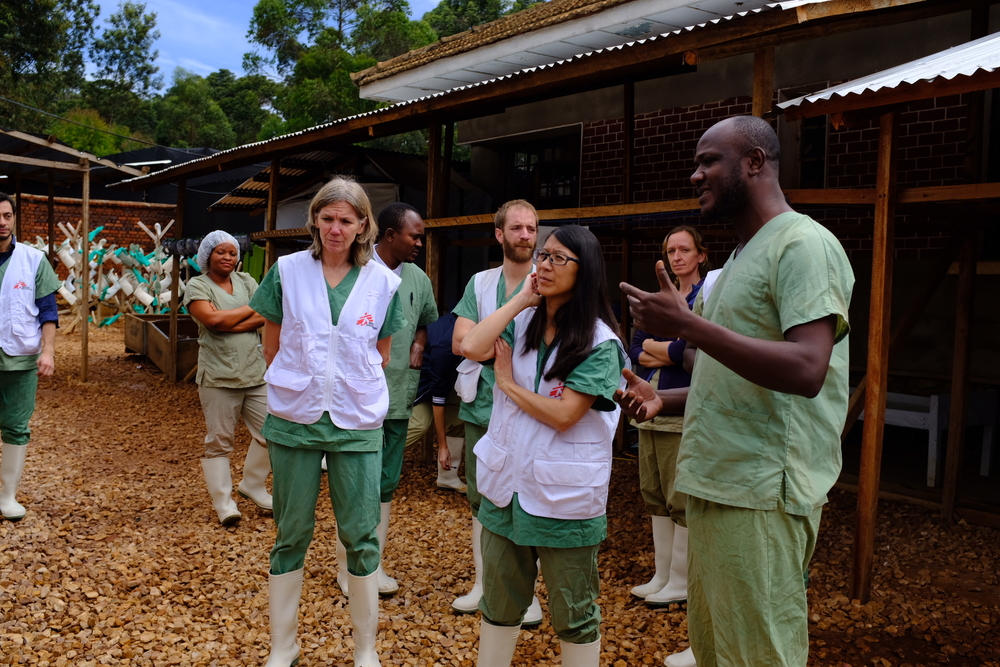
{"x": 730, "y": 200}
{"x": 517, "y": 254}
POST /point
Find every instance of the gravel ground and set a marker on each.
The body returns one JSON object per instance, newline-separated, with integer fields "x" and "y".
{"x": 121, "y": 561}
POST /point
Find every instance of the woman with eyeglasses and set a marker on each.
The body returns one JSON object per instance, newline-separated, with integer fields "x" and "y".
{"x": 545, "y": 462}
{"x": 330, "y": 312}
{"x": 660, "y": 361}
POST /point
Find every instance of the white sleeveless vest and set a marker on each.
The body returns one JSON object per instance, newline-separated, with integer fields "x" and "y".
{"x": 20, "y": 332}
{"x": 325, "y": 368}
{"x": 556, "y": 475}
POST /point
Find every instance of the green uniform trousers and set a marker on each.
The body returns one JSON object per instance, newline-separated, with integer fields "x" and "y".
{"x": 747, "y": 584}
{"x": 571, "y": 577}
{"x": 473, "y": 434}
{"x": 393, "y": 446}
{"x": 657, "y": 469}
{"x": 353, "y": 481}
{"x": 17, "y": 404}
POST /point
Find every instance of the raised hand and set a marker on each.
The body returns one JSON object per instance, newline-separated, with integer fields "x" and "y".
{"x": 639, "y": 400}
{"x": 659, "y": 313}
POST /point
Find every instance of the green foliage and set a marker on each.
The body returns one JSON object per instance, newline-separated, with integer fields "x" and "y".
{"x": 451, "y": 17}
{"x": 91, "y": 139}
{"x": 384, "y": 30}
{"x": 244, "y": 100}
{"x": 124, "y": 53}
{"x": 188, "y": 116}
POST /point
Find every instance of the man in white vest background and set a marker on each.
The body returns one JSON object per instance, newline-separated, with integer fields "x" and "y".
{"x": 401, "y": 236}
{"x": 28, "y": 320}
{"x": 516, "y": 224}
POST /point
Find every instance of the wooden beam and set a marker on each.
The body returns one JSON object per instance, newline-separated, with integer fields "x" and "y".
{"x": 964, "y": 310}
{"x": 51, "y": 143}
{"x": 763, "y": 81}
{"x": 271, "y": 223}
{"x": 878, "y": 360}
{"x": 444, "y": 177}
{"x": 949, "y": 193}
{"x": 628, "y": 157}
{"x": 47, "y": 164}
{"x": 433, "y": 168}
{"x": 433, "y": 240}
{"x": 85, "y": 271}
{"x": 175, "y": 279}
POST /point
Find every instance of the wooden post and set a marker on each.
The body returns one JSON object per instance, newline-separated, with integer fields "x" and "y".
{"x": 85, "y": 270}
{"x": 444, "y": 176}
{"x": 959, "y": 375}
{"x": 433, "y": 169}
{"x": 763, "y": 80}
{"x": 272, "y": 213}
{"x": 628, "y": 157}
{"x": 175, "y": 279}
{"x": 17, "y": 204}
{"x": 432, "y": 249}
{"x": 52, "y": 218}
{"x": 878, "y": 359}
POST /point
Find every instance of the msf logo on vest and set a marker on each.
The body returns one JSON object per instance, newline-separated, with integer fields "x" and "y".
{"x": 557, "y": 391}
{"x": 366, "y": 321}
{"x": 21, "y": 285}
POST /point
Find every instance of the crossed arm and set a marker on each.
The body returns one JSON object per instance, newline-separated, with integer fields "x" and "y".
{"x": 236, "y": 320}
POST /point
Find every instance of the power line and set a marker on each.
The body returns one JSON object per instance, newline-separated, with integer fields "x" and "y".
{"x": 89, "y": 127}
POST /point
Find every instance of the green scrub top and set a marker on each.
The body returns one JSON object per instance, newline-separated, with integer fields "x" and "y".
{"x": 478, "y": 411}
{"x": 743, "y": 444}
{"x": 323, "y": 434}
{"x": 46, "y": 282}
{"x": 416, "y": 296}
{"x": 228, "y": 360}
{"x": 597, "y": 375}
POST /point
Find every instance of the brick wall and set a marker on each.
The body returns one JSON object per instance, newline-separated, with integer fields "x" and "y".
{"x": 932, "y": 152}
{"x": 118, "y": 218}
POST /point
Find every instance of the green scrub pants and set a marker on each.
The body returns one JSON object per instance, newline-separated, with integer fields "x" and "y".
{"x": 17, "y": 404}
{"x": 353, "y": 481}
{"x": 571, "y": 577}
{"x": 657, "y": 469}
{"x": 393, "y": 446}
{"x": 747, "y": 584}
{"x": 473, "y": 434}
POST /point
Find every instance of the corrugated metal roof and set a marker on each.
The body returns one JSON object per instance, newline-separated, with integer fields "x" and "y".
{"x": 789, "y": 5}
{"x": 981, "y": 55}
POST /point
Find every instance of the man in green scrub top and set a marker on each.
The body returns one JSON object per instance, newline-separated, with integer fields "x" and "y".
{"x": 516, "y": 229}
{"x": 768, "y": 399}
{"x": 28, "y": 320}
{"x": 401, "y": 236}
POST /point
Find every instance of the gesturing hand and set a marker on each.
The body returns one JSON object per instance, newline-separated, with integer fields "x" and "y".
{"x": 502, "y": 367}
{"x": 659, "y": 313}
{"x": 639, "y": 400}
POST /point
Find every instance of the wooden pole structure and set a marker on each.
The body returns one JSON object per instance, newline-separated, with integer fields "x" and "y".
{"x": 878, "y": 359}
{"x": 959, "y": 375}
{"x": 85, "y": 270}
{"x": 52, "y": 218}
{"x": 175, "y": 280}
{"x": 763, "y": 80}
{"x": 444, "y": 176}
{"x": 432, "y": 257}
{"x": 272, "y": 213}
{"x": 628, "y": 157}
{"x": 433, "y": 168}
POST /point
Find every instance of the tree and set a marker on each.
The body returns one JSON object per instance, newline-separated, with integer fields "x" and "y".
{"x": 124, "y": 53}
{"x": 42, "y": 43}
{"x": 94, "y": 138}
{"x": 451, "y": 17}
{"x": 287, "y": 27}
{"x": 188, "y": 116}
{"x": 244, "y": 100}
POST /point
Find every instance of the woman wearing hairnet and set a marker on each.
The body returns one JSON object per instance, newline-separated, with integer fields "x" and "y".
{"x": 230, "y": 373}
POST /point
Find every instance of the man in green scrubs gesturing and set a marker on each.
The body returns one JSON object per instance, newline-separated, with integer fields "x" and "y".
{"x": 768, "y": 398}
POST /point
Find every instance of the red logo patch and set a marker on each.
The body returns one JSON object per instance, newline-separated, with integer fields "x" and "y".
{"x": 366, "y": 321}
{"x": 21, "y": 285}
{"x": 557, "y": 391}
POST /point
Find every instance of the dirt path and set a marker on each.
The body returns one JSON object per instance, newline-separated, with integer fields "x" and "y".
{"x": 120, "y": 560}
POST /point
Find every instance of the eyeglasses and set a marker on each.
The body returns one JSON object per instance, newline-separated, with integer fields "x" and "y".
{"x": 556, "y": 259}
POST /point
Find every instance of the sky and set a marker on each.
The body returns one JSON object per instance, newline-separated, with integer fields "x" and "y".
{"x": 203, "y": 36}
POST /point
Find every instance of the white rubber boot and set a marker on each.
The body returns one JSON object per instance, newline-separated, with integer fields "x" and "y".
{"x": 363, "y": 606}
{"x": 663, "y": 539}
{"x": 676, "y": 589}
{"x": 342, "y": 566}
{"x": 11, "y": 467}
{"x": 255, "y": 470}
{"x": 449, "y": 479}
{"x": 322, "y": 464}
{"x": 284, "y": 592}
{"x": 468, "y": 604}
{"x": 581, "y": 655}
{"x": 533, "y": 616}
{"x": 682, "y": 659}
{"x": 219, "y": 481}
{"x": 496, "y": 644}
{"x": 386, "y": 584}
